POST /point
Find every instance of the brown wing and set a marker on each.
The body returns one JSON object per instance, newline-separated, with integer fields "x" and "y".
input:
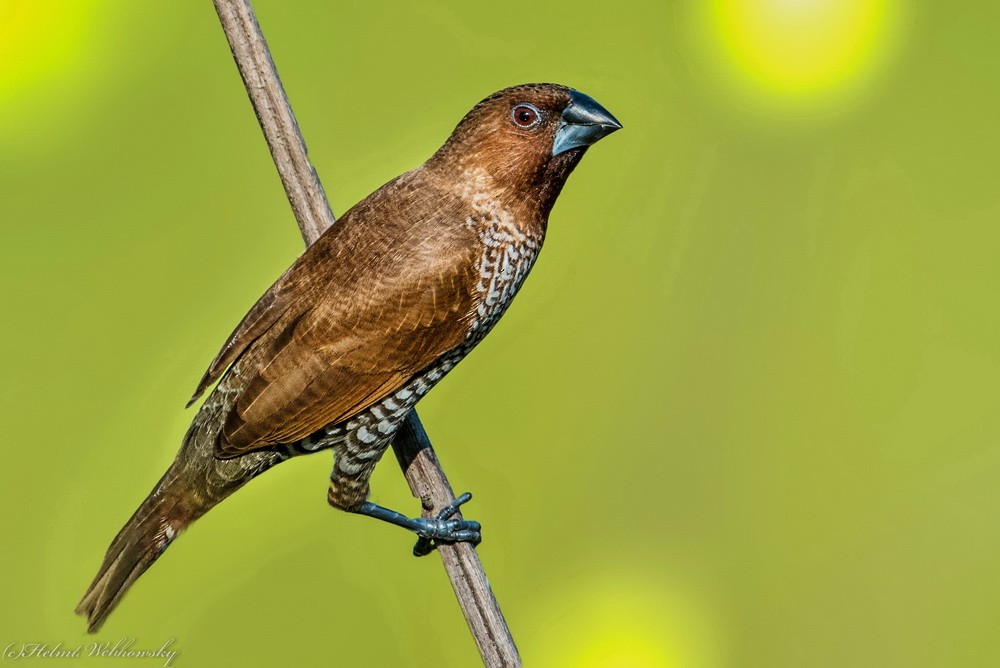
{"x": 261, "y": 317}
{"x": 315, "y": 368}
{"x": 367, "y": 307}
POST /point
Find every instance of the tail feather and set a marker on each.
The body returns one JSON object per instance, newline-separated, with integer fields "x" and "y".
{"x": 194, "y": 483}
{"x": 140, "y": 542}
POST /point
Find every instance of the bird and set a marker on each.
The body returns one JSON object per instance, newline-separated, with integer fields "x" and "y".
{"x": 366, "y": 321}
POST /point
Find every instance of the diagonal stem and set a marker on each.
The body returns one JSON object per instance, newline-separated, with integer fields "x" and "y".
{"x": 312, "y": 212}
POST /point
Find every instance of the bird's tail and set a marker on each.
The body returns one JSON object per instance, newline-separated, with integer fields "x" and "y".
{"x": 196, "y": 482}
{"x": 163, "y": 515}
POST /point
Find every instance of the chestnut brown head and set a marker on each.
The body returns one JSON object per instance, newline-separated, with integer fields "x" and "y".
{"x": 528, "y": 136}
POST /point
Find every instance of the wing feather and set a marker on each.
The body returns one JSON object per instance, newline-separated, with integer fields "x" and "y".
{"x": 262, "y": 316}
{"x": 375, "y": 301}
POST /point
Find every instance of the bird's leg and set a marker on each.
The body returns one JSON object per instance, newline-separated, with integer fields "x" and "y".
{"x": 349, "y": 489}
{"x": 432, "y": 530}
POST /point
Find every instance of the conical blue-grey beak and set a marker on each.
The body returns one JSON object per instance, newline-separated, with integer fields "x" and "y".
{"x": 582, "y": 123}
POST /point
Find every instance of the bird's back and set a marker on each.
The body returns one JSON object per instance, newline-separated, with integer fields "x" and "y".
{"x": 377, "y": 299}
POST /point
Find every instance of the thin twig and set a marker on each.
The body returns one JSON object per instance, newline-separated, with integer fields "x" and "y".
{"x": 313, "y": 214}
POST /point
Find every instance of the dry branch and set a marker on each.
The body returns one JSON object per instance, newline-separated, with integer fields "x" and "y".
{"x": 313, "y": 214}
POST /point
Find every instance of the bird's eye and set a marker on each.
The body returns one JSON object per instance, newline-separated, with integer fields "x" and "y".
{"x": 526, "y": 116}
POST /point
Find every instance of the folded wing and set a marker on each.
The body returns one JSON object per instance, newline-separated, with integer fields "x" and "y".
{"x": 338, "y": 333}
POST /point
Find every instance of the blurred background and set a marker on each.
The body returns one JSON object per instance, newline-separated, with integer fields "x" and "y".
{"x": 744, "y": 413}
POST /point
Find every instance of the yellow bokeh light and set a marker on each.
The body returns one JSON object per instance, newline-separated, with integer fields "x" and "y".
{"x": 798, "y": 54}
{"x": 622, "y": 622}
{"x": 40, "y": 42}
{"x": 50, "y": 53}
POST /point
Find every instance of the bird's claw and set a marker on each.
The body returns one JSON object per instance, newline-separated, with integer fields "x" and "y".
{"x": 437, "y": 530}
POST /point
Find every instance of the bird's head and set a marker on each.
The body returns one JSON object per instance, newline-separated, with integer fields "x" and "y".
{"x": 525, "y": 140}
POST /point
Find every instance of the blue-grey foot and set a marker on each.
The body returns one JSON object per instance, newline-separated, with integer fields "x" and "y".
{"x": 431, "y": 530}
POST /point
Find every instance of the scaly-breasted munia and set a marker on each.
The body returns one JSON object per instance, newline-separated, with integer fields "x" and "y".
{"x": 367, "y": 320}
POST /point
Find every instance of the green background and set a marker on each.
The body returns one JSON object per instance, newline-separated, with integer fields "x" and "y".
{"x": 744, "y": 412}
